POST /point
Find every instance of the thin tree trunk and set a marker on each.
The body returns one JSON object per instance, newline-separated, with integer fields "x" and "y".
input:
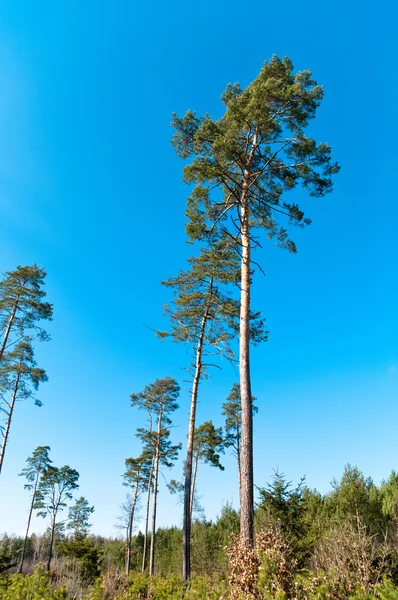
{"x": 50, "y": 551}
{"x": 10, "y": 324}
{"x": 29, "y": 519}
{"x": 186, "y": 562}
{"x": 238, "y": 457}
{"x": 155, "y": 495}
{"x": 9, "y": 418}
{"x": 246, "y": 482}
{"x": 148, "y": 499}
{"x": 193, "y": 487}
{"x": 130, "y": 528}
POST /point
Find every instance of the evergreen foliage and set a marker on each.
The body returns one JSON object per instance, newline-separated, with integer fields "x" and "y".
{"x": 22, "y": 306}
{"x": 55, "y": 489}
{"x": 79, "y": 518}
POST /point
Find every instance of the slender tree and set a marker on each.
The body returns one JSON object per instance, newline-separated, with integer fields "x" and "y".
{"x": 55, "y": 489}
{"x": 19, "y": 381}
{"x": 35, "y": 467}
{"x": 143, "y": 402}
{"x": 22, "y": 305}
{"x": 160, "y": 397}
{"x": 135, "y": 477}
{"x": 149, "y": 490}
{"x": 242, "y": 166}
{"x": 208, "y": 445}
{"x": 79, "y": 518}
{"x": 204, "y": 316}
{"x": 233, "y": 422}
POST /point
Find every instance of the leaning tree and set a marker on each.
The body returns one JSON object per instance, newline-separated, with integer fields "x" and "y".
{"x": 20, "y": 378}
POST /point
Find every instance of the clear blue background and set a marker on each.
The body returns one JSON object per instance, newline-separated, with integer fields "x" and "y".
{"x": 91, "y": 189}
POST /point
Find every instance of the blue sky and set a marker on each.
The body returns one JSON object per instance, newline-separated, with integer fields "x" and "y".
{"x": 91, "y": 189}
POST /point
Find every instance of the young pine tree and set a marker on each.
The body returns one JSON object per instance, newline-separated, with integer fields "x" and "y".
{"x": 160, "y": 399}
{"x": 136, "y": 477}
{"x": 79, "y": 518}
{"x": 145, "y": 435}
{"x": 22, "y": 305}
{"x": 242, "y": 167}
{"x": 20, "y": 379}
{"x": 55, "y": 489}
{"x": 233, "y": 422}
{"x": 208, "y": 445}
{"x": 36, "y": 465}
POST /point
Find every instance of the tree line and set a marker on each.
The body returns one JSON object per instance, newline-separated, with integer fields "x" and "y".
{"x": 340, "y": 544}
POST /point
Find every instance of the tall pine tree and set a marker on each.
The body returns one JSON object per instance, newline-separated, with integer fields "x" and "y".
{"x": 242, "y": 166}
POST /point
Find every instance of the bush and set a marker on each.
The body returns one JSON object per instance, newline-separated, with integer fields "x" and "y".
{"x": 86, "y": 555}
{"x": 32, "y": 587}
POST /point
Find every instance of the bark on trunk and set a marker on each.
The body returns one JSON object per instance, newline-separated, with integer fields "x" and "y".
{"x": 155, "y": 496}
{"x": 7, "y": 332}
{"x": 238, "y": 457}
{"x": 50, "y": 551}
{"x": 193, "y": 487}
{"x": 186, "y": 563}
{"x": 29, "y": 519}
{"x": 130, "y": 528}
{"x": 148, "y": 499}
{"x": 246, "y": 479}
{"x": 9, "y": 418}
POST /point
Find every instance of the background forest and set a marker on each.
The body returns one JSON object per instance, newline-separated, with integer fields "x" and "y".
{"x": 179, "y": 346}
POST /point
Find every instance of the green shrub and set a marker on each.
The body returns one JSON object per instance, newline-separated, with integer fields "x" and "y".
{"x": 86, "y": 555}
{"x": 32, "y": 587}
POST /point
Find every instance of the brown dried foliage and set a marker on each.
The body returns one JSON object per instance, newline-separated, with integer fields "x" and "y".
{"x": 244, "y": 565}
{"x": 351, "y": 557}
{"x": 269, "y": 567}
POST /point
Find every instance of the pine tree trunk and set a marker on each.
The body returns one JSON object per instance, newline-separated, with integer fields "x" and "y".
{"x": 50, "y": 551}
{"x": 130, "y": 528}
{"x": 186, "y": 566}
{"x": 148, "y": 499}
{"x": 193, "y": 487}
{"x": 238, "y": 456}
{"x": 29, "y": 519}
{"x": 9, "y": 418}
{"x": 155, "y": 497}
{"x": 246, "y": 479}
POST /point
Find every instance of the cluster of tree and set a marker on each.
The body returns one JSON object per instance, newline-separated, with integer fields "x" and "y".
{"x": 22, "y": 308}
{"x": 51, "y": 489}
{"x": 158, "y": 400}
